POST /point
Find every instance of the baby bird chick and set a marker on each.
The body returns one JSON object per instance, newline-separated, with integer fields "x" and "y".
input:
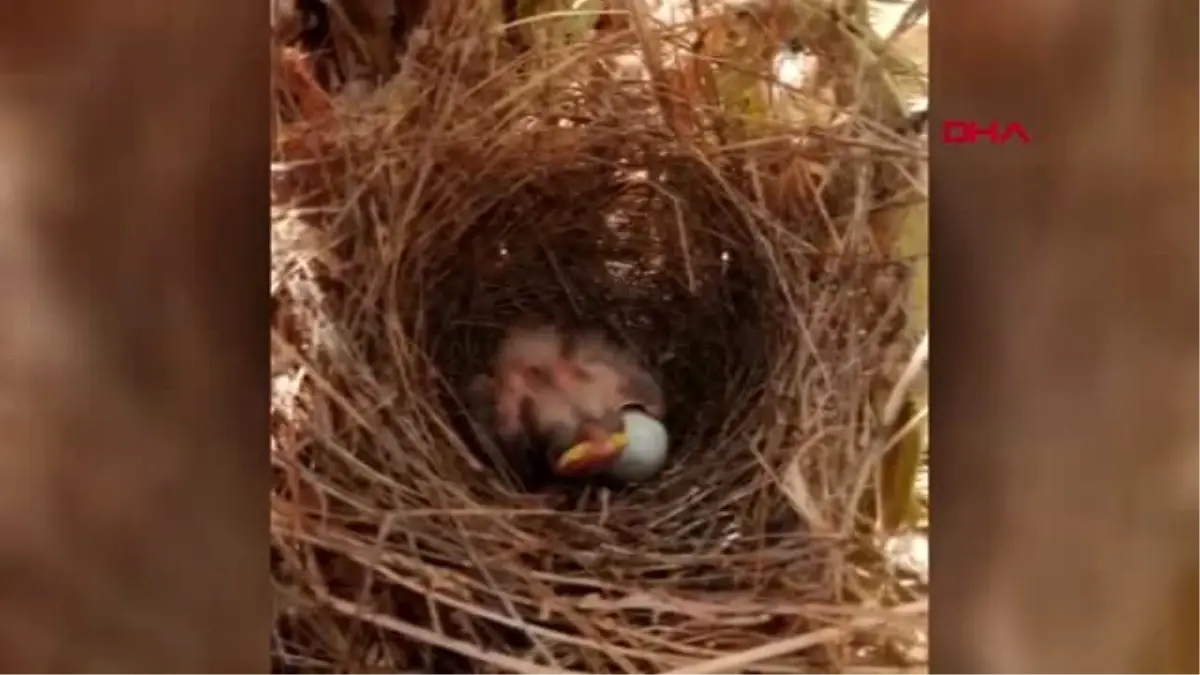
{"x": 523, "y": 400}
{"x": 589, "y": 405}
{"x": 529, "y": 365}
{"x": 621, "y": 405}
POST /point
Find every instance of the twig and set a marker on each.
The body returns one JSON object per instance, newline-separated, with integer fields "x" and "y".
{"x": 511, "y": 664}
{"x": 744, "y": 659}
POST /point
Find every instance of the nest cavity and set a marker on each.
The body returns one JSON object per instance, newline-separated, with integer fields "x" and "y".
{"x": 475, "y": 190}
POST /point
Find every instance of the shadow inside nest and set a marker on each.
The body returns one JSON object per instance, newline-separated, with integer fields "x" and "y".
{"x": 702, "y": 342}
{"x": 609, "y": 258}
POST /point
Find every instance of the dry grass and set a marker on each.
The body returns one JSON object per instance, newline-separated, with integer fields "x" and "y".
{"x": 480, "y": 186}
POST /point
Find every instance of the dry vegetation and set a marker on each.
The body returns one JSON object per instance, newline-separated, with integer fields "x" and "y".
{"x": 486, "y": 181}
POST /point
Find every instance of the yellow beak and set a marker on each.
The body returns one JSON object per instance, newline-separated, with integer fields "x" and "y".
{"x": 583, "y": 458}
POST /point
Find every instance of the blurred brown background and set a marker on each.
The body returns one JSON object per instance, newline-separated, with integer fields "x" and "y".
{"x": 133, "y": 366}
{"x": 1065, "y": 296}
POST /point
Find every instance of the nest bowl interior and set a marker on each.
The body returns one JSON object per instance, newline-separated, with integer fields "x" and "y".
{"x": 403, "y": 543}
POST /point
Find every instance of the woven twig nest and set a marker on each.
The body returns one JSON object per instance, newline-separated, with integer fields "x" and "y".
{"x": 408, "y": 236}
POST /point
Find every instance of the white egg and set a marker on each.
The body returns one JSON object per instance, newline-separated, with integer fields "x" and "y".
{"x": 646, "y": 453}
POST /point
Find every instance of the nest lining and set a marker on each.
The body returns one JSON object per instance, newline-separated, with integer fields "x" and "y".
{"x": 402, "y": 253}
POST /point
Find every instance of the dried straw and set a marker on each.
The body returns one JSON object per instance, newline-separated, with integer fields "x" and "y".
{"x": 478, "y": 187}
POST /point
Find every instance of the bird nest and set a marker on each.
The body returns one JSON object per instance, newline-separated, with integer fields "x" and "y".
{"x": 412, "y": 227}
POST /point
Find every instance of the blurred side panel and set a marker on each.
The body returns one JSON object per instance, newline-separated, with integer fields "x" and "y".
{"x": 1064, "y": 296}
{"x": 133, "y": 337}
